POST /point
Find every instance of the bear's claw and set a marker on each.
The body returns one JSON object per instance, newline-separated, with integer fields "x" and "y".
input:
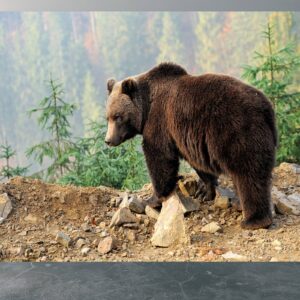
{"x": 205, "y": 192}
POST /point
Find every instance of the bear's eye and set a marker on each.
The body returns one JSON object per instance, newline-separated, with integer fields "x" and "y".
{"x": 117, "y": 118}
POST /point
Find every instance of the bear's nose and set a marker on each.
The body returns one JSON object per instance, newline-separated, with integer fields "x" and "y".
{"x": 108, "y": 142}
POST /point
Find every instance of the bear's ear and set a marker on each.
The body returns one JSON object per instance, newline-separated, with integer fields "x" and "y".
{"x": 129, "y": 86}
{"x": 110, "y": 84}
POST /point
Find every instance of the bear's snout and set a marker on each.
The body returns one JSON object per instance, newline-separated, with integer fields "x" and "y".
{"x": 108, "y": 142}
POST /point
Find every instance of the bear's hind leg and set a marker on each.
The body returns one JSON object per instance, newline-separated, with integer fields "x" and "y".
{"x": 206, "y": 186}
{"x": 255, "y": 199}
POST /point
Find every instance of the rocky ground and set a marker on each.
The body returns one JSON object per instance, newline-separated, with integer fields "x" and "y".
{"x": 47, "y": 222}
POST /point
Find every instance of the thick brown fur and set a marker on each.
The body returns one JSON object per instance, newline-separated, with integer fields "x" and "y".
{"x": 215, "y": 122}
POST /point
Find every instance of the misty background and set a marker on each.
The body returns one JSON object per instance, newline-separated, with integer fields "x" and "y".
{"x": 83, "y": 49}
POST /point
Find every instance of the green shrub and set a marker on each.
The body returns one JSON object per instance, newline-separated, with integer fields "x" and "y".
{"x": 93, "y": 163}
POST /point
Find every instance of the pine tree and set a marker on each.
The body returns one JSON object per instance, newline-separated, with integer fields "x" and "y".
{"x": 8, "y": 171}
{"x": 273, "y": 74}
{"x": 54, "y": 114}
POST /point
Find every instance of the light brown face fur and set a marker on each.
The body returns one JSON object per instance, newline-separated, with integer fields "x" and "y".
{"x": 120, "y": 115}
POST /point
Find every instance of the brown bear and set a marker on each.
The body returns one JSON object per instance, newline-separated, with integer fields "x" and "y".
{"x": 215, "y": 122}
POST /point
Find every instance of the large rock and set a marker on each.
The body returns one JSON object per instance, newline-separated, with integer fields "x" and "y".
{"x": 169, "y": 228}
{"x": 121, "y": 216}
{"x": 286, "y": 204}
{"x": 5, "y": 207}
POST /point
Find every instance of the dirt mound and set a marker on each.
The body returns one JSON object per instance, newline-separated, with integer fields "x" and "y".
{"x": 50, "y": 222}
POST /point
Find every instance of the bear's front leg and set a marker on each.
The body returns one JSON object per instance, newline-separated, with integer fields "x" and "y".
{"x": 163, "y": 168}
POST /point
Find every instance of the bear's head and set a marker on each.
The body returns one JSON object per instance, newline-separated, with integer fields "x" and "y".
{"x": 123, "y": 112}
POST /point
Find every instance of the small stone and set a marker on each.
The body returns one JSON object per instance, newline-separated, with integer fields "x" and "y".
{"x": 43, "y": 259}
{"x": 104, "y": 233}
{"x": 219, "y": 251}
{"x": 85, "y": 227}
{"x": 23, "y": 233}
{"x": 276, "y": 243}
{"x": 60, "y": 196}
{"x": 204, "y": 221}
{"x": 234, "y": 256}
{"x": 123, "y": 215}
{"x": 133, "y": 203}
{"x": 42, "y": 249}
{"x": 79, "y": 243}
{"x": 85, "y": 250}
{"x": 5, "y": 207}
{"x": 31, "y": 219}
{"x": 102, "y": 225}
{"x": 107, "y": 245}
{"x": 20, "y": 250}
{"x": 260, "y": 241}
{"x": 211, "y": 228}
{"x": 151, "y": 212}
{"x": 63, "y": 239}
{"x": 146, "y": 222}
{"x": 28, "y": 252}
{"x": 136, "y": 205}
{"x": 131, "y": 236}
{"x": 223, "y": 197}
{"x": 131, "y": 225}
{"x": 247, "y": 234}
{"x": 274, "y": 259}
{"x": 221, "y": 202}
{"x": 222, "y": 221}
